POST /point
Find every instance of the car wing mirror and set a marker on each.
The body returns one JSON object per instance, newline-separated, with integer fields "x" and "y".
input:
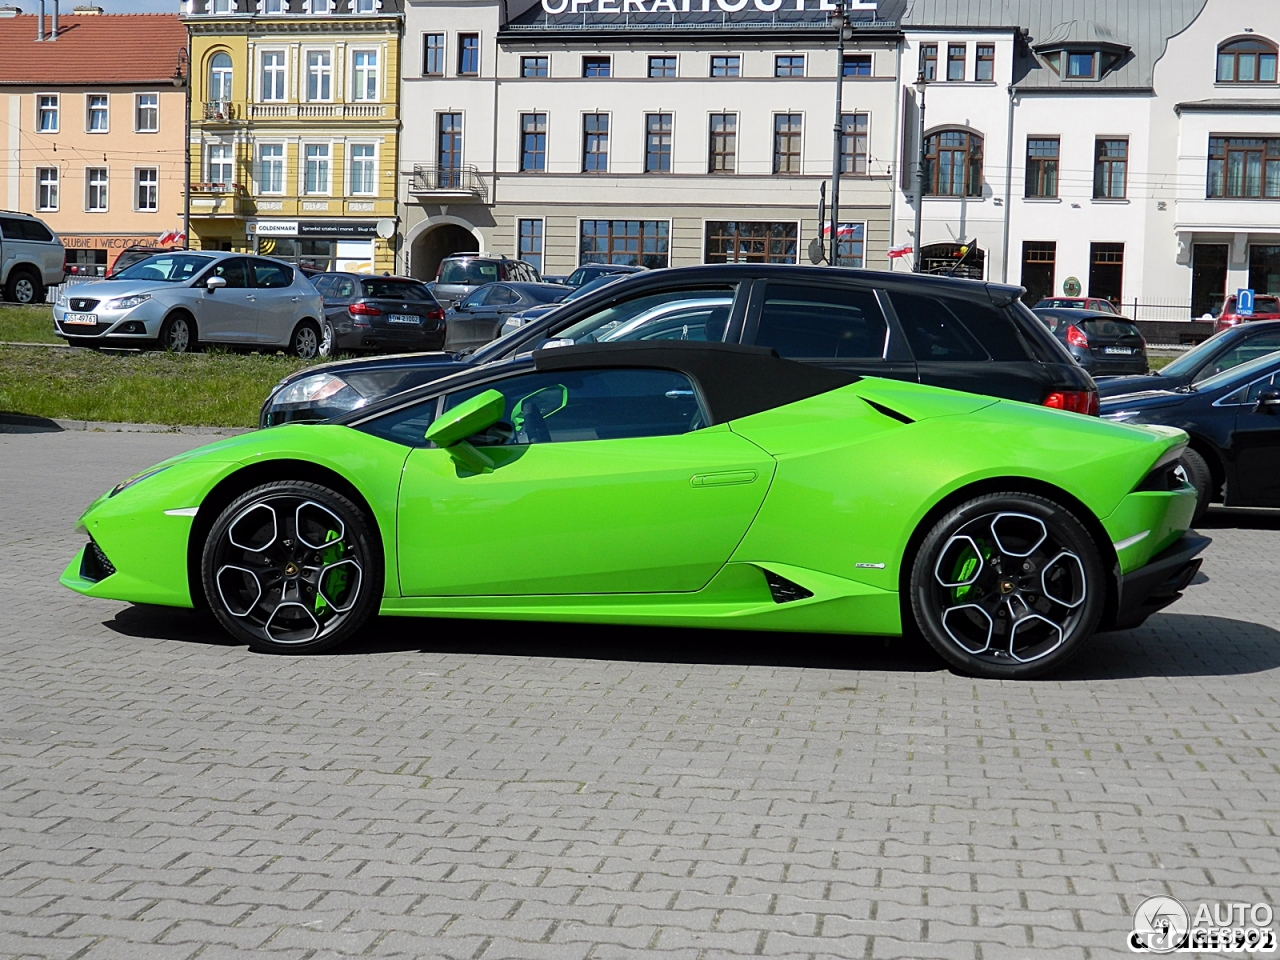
{"x": 215, "y": 283}
{"x": 451, "y": 430}
{"x": 1269, "y": 400}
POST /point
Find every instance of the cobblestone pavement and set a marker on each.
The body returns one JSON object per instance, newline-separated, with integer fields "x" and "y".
{"x": 452, "y": 789}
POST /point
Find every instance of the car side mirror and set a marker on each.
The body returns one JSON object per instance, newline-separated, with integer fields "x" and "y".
{"x": 215, "y": 283}
{"x": 468, "y": 418}
{"x": 1269, "y": 400}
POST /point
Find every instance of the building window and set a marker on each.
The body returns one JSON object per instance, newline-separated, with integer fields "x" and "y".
{"x": 1038, "y": 259}
{"x": 364, "y": 64}
{"x": 146, "y": 113}
{"x": 985, "y": 68}
{"x": 662, "y": 66}
{"x": 270, "y": 7}
{"x": 363, "y": 170}
{"x": 147, "y": 189}
{"x": 319, "y": 75}
{"x": 636, "y": 243}
{"x": 271, "y": 168}
{"x": 46, "y": 188}
{"x": 786, "y": 142}
{"x": 726, "y": 66}
{"x": 449, "y": 148}
{"x": 530, "y": 243}
{"x": 1243, "y": 167}
{"x": 857, "y": 65}
{"x": 366, "y": 6}
{"x": 751, "y": 242}
{"x": 535, "y": 67}
{"x": 955, "y": 61}
{"x": 853, "y": 143}
{"x": 221, "y": 164}
{"x": 929, "y": 61}
{"x": 595, "y": 143}
{"x": 468, "y": 54}
{"x": 273, "y": 76}
{"x": 98, "y": 117}
{"x": 723, "y": 154}
{"x": 1081, "y": 65}
{"x": 321, "y": 6}
{"x": 220, "y": 77}
{"x": 657, "y": 147}
{"x": 851, "y": 245}
{"x": 433, "y": 54}
{"x": 533, "y": 142}
{"x": 1042, "y": 167}
{"x": 596, "y": 66}
{"x": 95, "y": 184}
{"x": 316, "y": 168}
{"x": 953, "y": 164}
{"x": 219, "y": 6}
{"x": 788, "y": 66}
{"x": 1247, "y": 61}
{"x": 47, "y": 113}
{"x": 1106, "y": 271}
{"x": 1110, "y": 166}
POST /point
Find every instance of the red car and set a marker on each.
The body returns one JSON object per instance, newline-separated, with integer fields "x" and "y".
{"x": 1265, "y": 307}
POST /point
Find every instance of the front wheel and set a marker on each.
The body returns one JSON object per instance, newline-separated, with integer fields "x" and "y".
{"x": 1008, "y": 586}
{"x": 292, "y": 567}
{"x": 178, "y": 334}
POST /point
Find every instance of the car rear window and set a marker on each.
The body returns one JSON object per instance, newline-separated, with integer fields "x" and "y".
{"x": 821, "y": 323}
{"x": 1266, "y": 305}
{"x": 1100, "y": 327}
{"x": 379, "y": 288}
{"x": 543, "y": 294}
{"x": 468, "y": 272}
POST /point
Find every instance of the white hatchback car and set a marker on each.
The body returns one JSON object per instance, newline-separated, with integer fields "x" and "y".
{"x": 180, "y": 299}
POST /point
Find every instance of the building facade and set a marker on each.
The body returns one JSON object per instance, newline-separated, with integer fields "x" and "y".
{"x": 93, "y": 128}
{"x": 294, "y": 129}
{"x": 661, "y": 136}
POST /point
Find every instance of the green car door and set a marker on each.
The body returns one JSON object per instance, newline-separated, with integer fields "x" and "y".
{"x": 602, "y": 481}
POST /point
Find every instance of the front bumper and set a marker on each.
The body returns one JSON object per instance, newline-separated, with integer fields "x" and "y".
{"x": 1159, "y": 583}
{"x": 116, "y": 327}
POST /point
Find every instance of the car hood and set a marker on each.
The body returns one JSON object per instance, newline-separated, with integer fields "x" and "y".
{"x": 113, "y": 289}
{"x": 1143, "y": 400}
{"x": 1115, "y": 386}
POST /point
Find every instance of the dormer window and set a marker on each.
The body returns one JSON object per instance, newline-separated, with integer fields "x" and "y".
{"x": 1082, "y": 50}
{"x": 1251, "y": 60}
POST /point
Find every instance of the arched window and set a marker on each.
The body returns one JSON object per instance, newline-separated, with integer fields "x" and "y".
{"x": 220, "y": 78}
{"x": 1251, "y": 60}
{"x": 953, "y": 164}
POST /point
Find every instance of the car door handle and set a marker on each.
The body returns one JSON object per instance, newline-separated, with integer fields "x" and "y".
{"x": 250, "y": 296}
{"x": 296, "y": 299}
{"x": 723, "y": 479}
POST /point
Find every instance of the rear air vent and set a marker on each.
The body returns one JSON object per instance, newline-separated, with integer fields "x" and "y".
{"x": 95, "y": 566}
{"x": 784, "y": 590}
{"x": 888, "y": 411}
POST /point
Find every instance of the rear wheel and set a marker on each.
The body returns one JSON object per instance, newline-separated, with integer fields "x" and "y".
{"x": 178, "y": 334}
{"x": 1007, "y": 586}
{"x": 305, "y": 343}
{"x": 24, "y": 287}
{"x": 1201, "y": 477}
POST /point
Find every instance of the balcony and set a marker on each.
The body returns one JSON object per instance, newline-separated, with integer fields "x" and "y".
{"x": 218, "y": 199}
{"x": 433, "y": 180}
{"x": 314, "y": 111}
{"x": 224, "y": 110}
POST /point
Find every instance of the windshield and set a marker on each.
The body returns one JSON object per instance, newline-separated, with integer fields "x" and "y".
{"x": 467, "y": 272}
{"x": 595, "y": 284}
{"x": 382, "y": 289}
{"x": 1266, "y": 305}
{"x": 1237, "y": 374}
{"x": 1189, "y": 361}
{"x": 165, "y": 268}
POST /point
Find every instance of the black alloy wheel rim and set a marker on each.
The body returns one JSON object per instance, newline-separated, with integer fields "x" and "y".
{"x": 1007, "y": 588}
{"x": 288, "y": 570}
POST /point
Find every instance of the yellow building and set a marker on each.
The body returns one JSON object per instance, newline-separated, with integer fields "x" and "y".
{"x": 294, "y": 129}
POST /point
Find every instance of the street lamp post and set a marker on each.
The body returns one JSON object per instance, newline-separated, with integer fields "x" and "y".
{"x": 182, "y": 78}
{"x": 921, "y": 83}
{"x": 837, "y": 137}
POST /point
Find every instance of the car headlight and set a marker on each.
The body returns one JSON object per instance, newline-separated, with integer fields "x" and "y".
{"x": 325, "y": 393}
{"x": 128, "y": 303}
{"x": 63, "y": 300}
{"x": 137, "y": 478}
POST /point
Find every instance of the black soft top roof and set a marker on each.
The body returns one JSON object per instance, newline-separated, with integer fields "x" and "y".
{"x": 736, "y": 381}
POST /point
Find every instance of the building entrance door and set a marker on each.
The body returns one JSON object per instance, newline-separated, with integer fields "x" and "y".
{"x": 1208, "y": 278}
{"x": 1106, "y": 271}
{"x": 1038, "y": 259}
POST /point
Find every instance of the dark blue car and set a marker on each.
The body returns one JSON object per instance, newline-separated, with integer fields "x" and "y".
{"x": 1219, "y": 353}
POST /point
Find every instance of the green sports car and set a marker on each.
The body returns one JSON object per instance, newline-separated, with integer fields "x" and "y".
{"x": 667, "y": 483}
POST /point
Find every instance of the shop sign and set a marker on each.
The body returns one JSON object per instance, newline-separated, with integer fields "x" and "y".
{"x": 316, "y": 229}
{"x": 677, "y": 7}
{"x": 104, "y": 243}
{"x": 275, "y": 228}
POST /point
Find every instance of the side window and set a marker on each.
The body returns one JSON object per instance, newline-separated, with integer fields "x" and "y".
{"x": 234, "y": 271}
{"x": 1251, "y": 349}
{"x": 344, "y": 288}
{"x": 476, "y": 297}
{"x": 322, "y": 285}
{"x": 821, "y": 323}
{"x": 933, "y": 331}
{"x": 991, "y": 327}
{"x": 700, "y": 313}
{"x": 268, "y": 274}
{"x": 576, "y": 405}
{"x": 1266, "y": 383}
{"x": 407, "y": 426}
{"x": 501, "y": 296}
{"x": 7, "y": 229}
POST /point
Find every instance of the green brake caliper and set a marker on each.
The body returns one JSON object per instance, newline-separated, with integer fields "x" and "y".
{"x": 337, "y": 578}
{"x": 965, "y": 572}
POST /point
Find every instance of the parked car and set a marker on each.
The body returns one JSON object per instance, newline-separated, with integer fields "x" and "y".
{"x": 130, "y": 255}
{"x": 1265, "y": 307}
{"x": 591, "y": 271}
{"x": 480, "y": 316}
{"x": 178, "y": 301}
{"x": 676, "y": 483}
{"x": 459, "y": 275}
{"x": 530, "y": 314}
{"x": 1077, "y": 303}
{"x": 1219, "y": 353}
{"x": 1233, "y": 419}
{"x": 962, "y": 334}
{"x": 1102, "y": 343}
{"x": 31, "y": 258}
{"x": 363, "y": 312}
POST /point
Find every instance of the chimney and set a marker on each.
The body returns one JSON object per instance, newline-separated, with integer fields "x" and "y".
{"x": 40, "y": 23}
{"x": 53, "y": 35}
{"x": 6, "y": 12}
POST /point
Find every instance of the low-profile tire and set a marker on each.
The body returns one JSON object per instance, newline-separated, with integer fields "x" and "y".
{"x": 1201, "y": 477}
{"x": 326, "y": 347}
{"x": 178, "y": 334}
{"x": 305, "y": 342}
{"x": 292, "y": 567}
{"x": 24, "y": 287}
{"x": 1008, "y": 586}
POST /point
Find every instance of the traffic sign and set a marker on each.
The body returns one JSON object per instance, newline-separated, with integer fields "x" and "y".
{"x": 1244, "y": 303}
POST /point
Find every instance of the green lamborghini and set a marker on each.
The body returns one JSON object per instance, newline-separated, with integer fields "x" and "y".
{"x": 667, "y": 483}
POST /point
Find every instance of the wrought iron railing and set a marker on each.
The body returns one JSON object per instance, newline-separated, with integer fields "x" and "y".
{"x": 441, "y": 178}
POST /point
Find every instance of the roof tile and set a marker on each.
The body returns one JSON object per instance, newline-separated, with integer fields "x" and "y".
{"x": 92, "y": 49}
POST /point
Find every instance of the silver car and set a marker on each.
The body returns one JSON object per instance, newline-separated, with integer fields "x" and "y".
{"x": 181, "y": 299}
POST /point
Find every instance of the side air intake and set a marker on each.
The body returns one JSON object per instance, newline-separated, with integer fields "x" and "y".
{"x": 784, "y": 590}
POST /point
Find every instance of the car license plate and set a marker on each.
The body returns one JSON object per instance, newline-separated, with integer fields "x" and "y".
{"x": 403, "y": 318}
{"x": 88, "y": 319}
{"x": 1124, "y": 351}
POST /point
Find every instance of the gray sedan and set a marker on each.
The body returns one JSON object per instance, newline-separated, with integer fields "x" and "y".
{"x": 182, "y": 299}
{"x": 479, "y": 317}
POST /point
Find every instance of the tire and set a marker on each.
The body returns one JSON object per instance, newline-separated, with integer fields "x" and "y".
{"x": 178, "y": 334}
{"x": 305, "y": 342}
{"x": 24, "y": 287}
{"x": 326, "y": 348}
{"x": 983, "y": 566}
{"x": 284, "y": 590}
{"x": 1201, "y": 477}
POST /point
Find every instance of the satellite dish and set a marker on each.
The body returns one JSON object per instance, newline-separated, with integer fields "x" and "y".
{"x": 386, "y": 228}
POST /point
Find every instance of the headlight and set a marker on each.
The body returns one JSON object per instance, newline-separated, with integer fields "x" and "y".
{"x": 324, "y": 393}
{"x": 138, "y": 478}
{"x": 63, "y": 300}
{"x": 128, "y": 303}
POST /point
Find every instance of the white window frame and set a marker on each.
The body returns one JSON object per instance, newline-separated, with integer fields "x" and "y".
{"x": 357, "y": 73}
{"x": 259, "y": 179}
{"x": 328, "y": 169}
{"x": 137, "y": 110}
{"x": 282, "y": 72}
{"x": 88, "y": 112}
{"x": 214, "y": 7}
{"x": 543, "y": 255}
{"x": 88, "y": 190}
{"x": 317, "y": 7}
{"x": 577, "y": 236}
{"x": 329, "y": 71}
{"x": 137, "y": 184}
{"x": 230, "y": 72}
{"x": 373, "y": 161}
{"x": 57, "y": 112}
{"x": 230, "y": 158}
{"x": 55, "y": 182}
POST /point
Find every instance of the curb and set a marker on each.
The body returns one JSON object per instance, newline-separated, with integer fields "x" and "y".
{"x": 19, "y": 343}
{"x": 27, "y": 424}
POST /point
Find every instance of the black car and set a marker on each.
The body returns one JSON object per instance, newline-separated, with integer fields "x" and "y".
{"x": 1102, "y": 343}
{"x": 480, "y": 316}
{"x": 377, "y": 314}
{"x": 1233, "y": 419}
{"x": 963, "y": 334}
{"x": 591, "y": 271}
{"x": 1221, "y": 352}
